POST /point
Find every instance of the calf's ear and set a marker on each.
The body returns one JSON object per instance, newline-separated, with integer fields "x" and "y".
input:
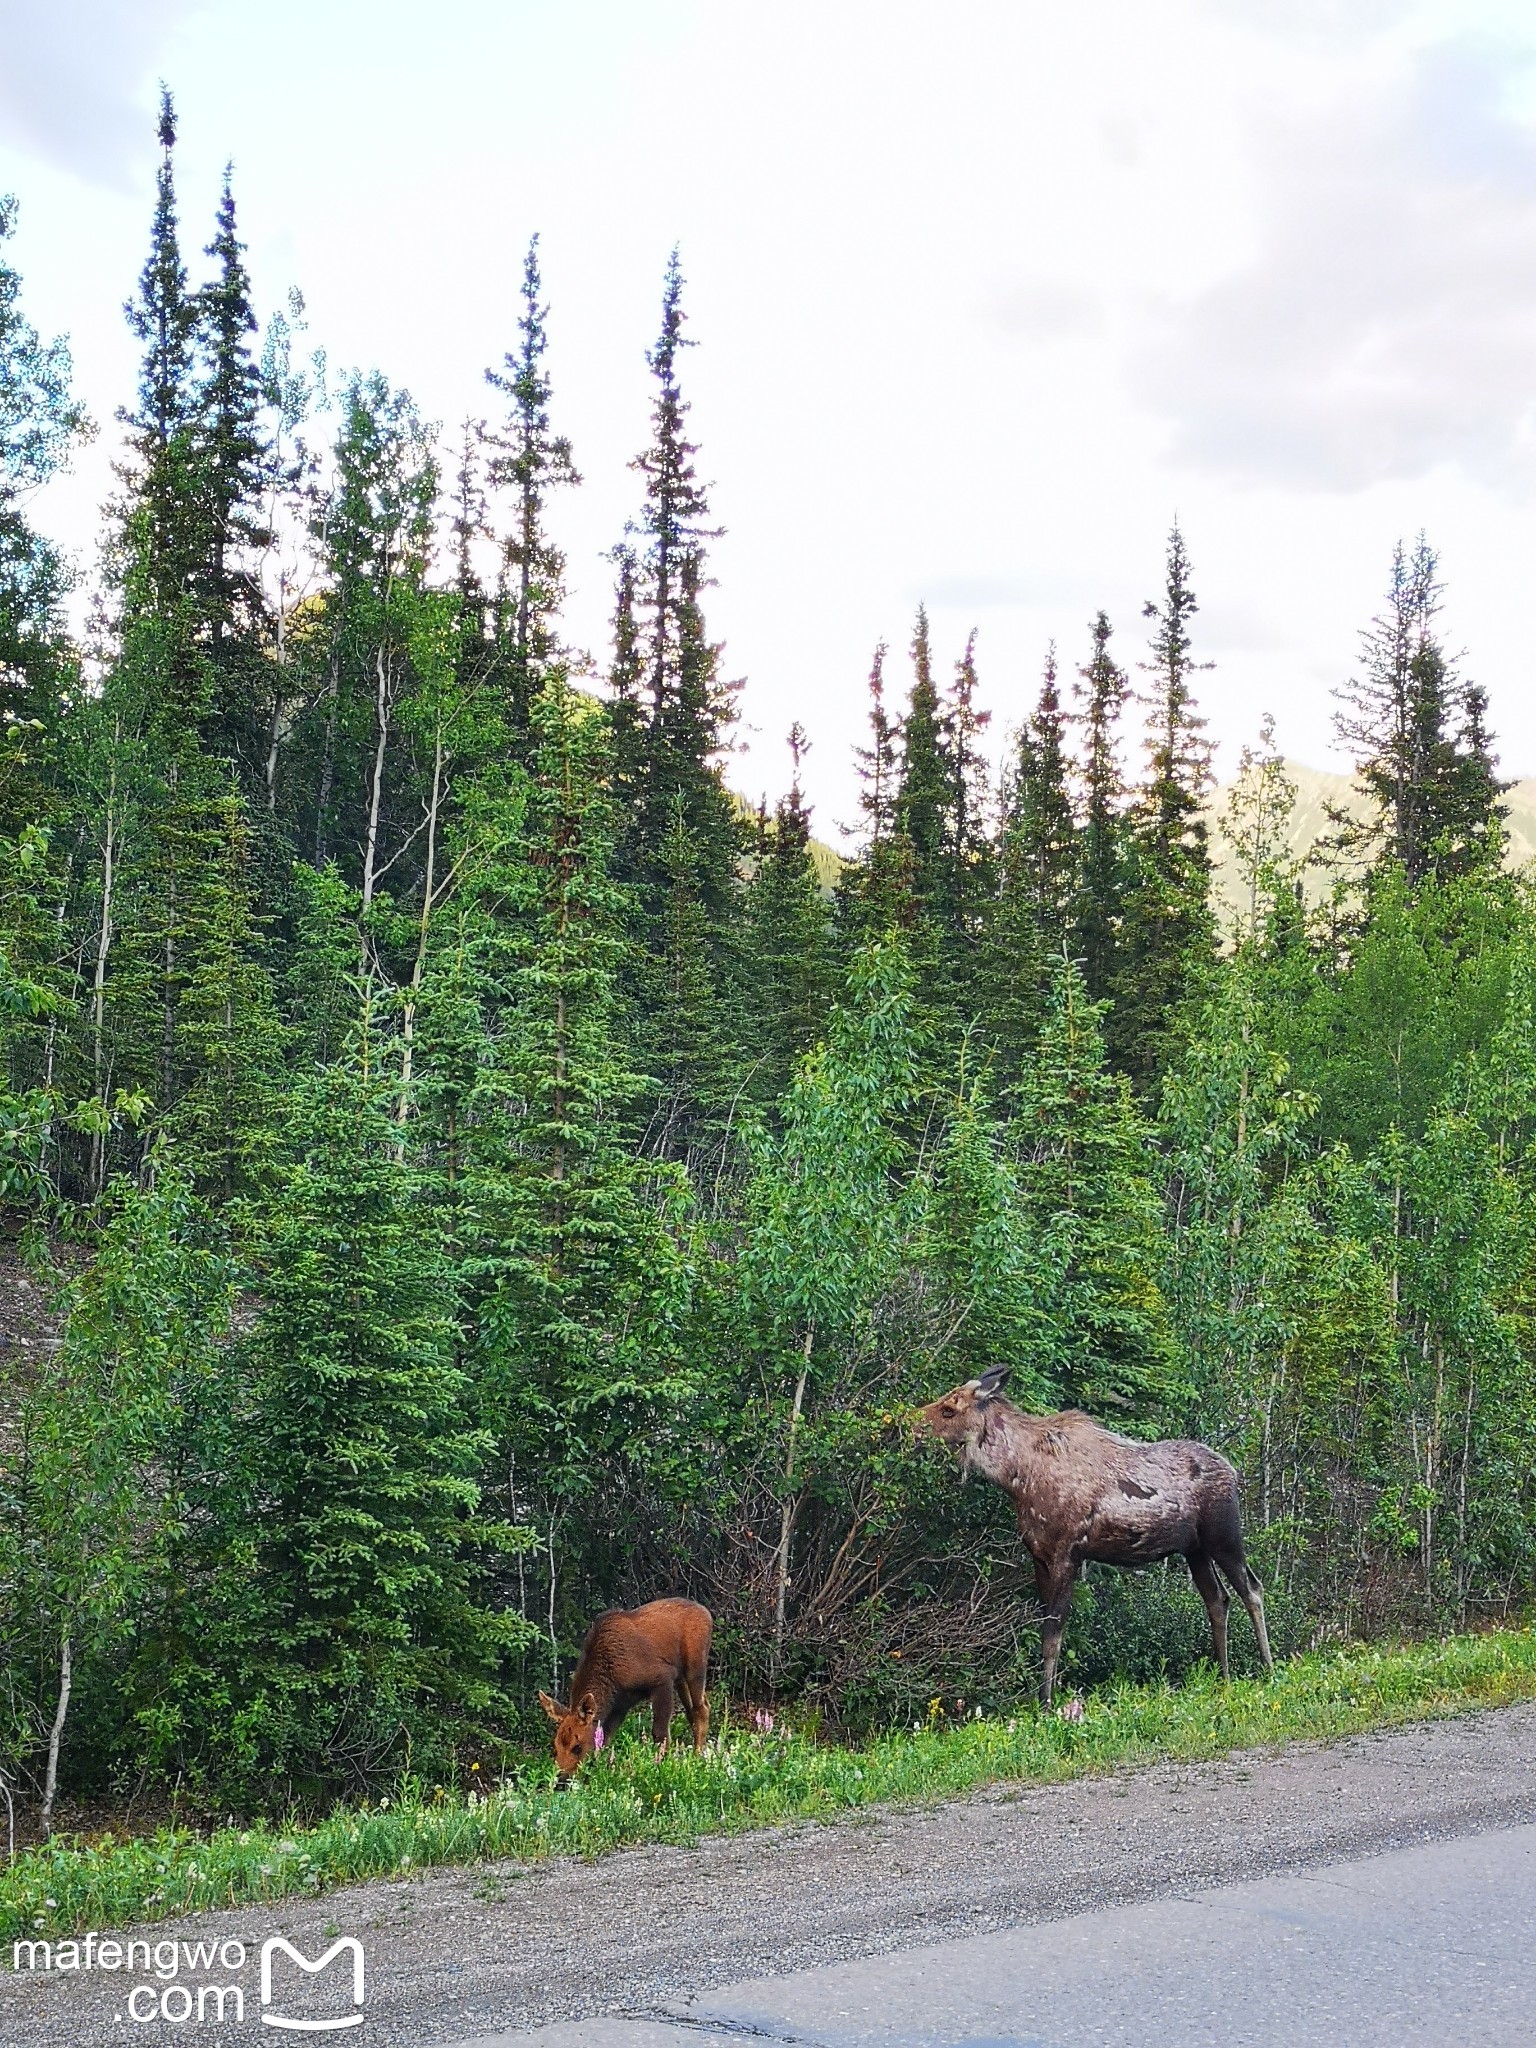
{"x": 993, "y": 1380}
{"x": 551, "y": 1707}
{"x": 586, "y": 1707}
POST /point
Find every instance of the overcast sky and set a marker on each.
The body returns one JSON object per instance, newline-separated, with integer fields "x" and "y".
{"x": 985, "y": 294}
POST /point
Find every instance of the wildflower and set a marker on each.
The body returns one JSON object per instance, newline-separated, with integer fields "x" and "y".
{"x": 474, "y": 1767}
{"x": 599, "y": 1738}
{"x": 762, "y": 1721}
{"x": 1071, "y": 1710}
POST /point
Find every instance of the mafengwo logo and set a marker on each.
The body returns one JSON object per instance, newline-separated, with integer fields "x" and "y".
{"x": 347, "y": 1945}
{"x": 174, "y": 1987}
{"x": 277, "y": 1946}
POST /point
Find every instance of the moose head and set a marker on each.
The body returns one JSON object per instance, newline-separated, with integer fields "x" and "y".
{"x": 959, "y": 1418}
{"x": 578, "y": 1732}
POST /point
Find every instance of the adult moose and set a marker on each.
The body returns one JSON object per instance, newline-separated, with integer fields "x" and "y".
{"x": 1085, "y": 1495}
{"x": 655, "y": 1653}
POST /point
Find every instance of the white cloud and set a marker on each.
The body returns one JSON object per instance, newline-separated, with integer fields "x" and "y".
{"x": 1387, "y": 324}
{"x": 74, "y": 77}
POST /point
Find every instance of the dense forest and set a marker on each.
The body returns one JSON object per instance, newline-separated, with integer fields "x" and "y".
{"x": 482, "y": 1174}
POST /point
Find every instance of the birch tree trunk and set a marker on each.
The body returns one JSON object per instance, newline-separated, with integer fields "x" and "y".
{"x": 419, "y": 969}
{"x": 99, "y": 979}
{"x": 56, "y": 1736}
{"x": 787, "y": 1516}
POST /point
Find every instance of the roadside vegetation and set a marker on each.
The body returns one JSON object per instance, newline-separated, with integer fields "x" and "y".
{"x": 753, "y": 1776}
{"x": 479, "y": 1175}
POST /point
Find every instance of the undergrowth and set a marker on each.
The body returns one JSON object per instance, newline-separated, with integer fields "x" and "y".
{"x": 751, "y": 1778}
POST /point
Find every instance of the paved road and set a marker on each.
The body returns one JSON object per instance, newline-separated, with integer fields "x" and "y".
{"x": 1435, "y": 1944}
{"x": 1006, "y": 1886}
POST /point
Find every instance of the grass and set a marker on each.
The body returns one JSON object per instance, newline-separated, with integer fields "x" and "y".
{"x": 752, "y": 1780}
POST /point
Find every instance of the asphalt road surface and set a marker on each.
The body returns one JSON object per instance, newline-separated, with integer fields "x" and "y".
{"x": 1378, "y": 1890}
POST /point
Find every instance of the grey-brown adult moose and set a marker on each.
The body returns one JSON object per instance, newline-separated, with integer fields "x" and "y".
{"x": 657, "y": 1652}
{"x": 1086, "y": 1495}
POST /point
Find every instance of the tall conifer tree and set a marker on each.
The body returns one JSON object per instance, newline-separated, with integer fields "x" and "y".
{"x": 925, "y": 791}
{"x": 1419, "y": 735}
{"x": 231, "y": 466}
{"x": 530, "y": 460}
{"x": 1036, "y": 879}
{"x": 1168, "y": 931}
{"x": 787, "y": 940}
{"x": 164, "y": 547}
{"x": 1101, "y": 692}
{"x": 680, "y": 836}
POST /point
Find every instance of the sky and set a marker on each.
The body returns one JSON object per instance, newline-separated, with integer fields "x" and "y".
{"x": 985, "y": 296}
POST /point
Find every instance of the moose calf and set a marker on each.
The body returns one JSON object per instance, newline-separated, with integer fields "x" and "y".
{"x": 654, "y": 1653}
{"x": 1085, "y": 1495}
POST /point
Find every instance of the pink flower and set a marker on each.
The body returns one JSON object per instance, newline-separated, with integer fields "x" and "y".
{"x": 599, "y": 1738}
{"x": 761, "y": 1721}
{"x": 1071, "y": 1710}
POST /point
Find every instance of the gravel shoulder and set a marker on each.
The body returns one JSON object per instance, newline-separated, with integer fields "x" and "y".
{"x": 458, "y": 1953}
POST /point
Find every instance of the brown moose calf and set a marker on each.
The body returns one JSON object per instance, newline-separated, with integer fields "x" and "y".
{"x": 657, "y": 1652}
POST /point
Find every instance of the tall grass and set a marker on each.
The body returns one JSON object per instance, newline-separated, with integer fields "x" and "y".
{"x": 751, "y": 1779}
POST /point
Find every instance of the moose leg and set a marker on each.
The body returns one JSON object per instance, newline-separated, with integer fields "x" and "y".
{"x": 1245, "y": 1585}
{"x": 1053, "y": 1587}
{"x": 663, "y": 1707}
{"x": 1251, "y": 1593}
{"x": 1216, "y": 1599}
{"x": 696, "y": 1706}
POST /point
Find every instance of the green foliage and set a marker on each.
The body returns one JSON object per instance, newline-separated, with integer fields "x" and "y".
{"x": 94, "y": 1494}
{"x": 348, "y": 1598}
{"x": 750, "y": 1779}
{"x": 1092, "y": 1189}
{"x": 787, "y": 944}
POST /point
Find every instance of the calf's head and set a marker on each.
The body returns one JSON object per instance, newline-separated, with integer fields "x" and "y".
{"x": 959, "y": 1418}
{"x": 578, "y": 1732}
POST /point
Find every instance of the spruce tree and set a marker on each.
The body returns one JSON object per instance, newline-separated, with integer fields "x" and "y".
{"x": 874, "y": 890}
{"x": 164, "y": 544}
{"x": 530, "y": 460}
{"x": 680, "y": 837}
{"x": 375, "y": 529}
{"x": 1089, "y": 1175}
{"x": 1418, "y": 731}
{"x": 1039, "y": 836}
{"x": 1098, "y": 907}
{"x": 971, "y": 878}
{"x": 1167, "y": 933}
{"x": 231, "y": 467}
{"x": 787, "y": 941}
{"x": 924, "y": 810}
{"x": 569, "y": 1241}
{"x": 353, "y": 1606}
{"x": 1036, "y": 864}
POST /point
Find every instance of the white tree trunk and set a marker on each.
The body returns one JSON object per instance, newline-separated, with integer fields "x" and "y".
{"x": 51, "y": 1778}
{"x": 99, "y": 980}
{"x": 787, "y": 1516}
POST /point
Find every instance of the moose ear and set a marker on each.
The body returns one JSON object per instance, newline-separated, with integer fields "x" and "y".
{"x": 586, "y": 1707}
{"x": 551, "y": 1707}
{"x": 993, "y": 1380}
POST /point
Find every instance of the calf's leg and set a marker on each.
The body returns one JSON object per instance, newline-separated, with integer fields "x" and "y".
{"x": 696, "y": 1707}
{"x": 663, "y": 1707}
{"x": 1215, "y": 1596}
{"x": 1053, "y": 1587}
